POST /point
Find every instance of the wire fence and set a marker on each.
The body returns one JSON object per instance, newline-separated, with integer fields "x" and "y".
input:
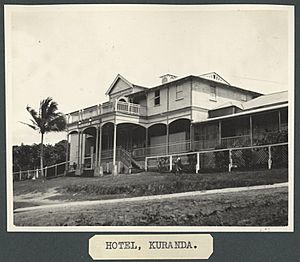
{"x": 221, "y": 160}
{"x": 53, "y": 171}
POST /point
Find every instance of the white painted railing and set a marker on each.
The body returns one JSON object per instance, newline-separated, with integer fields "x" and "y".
{"x": 108, "y": 107}
{"x": 52, "y": 171}
{"x": 245, "y": 158}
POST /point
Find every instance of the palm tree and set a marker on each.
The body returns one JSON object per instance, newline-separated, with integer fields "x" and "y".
{"x": 45, "y": 121}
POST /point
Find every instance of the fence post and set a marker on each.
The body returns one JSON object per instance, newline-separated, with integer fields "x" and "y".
{"x": 55, "y": 170}
{"x": 198, "y": 163}
{"x": 28, "y": 174}
{"x": 146, "y": 167}
{"x": 45, "y": 172}
{"x": 270, "y": 158}
{"x": 230, "y": 160}
{"x": 35, "y": 176}
{"x": 171, "y": 163}
{"x": 20, "y": 176}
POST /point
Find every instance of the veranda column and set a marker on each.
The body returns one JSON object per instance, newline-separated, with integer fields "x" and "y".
{"x": 67, "y": 155}
{"x": 115, "y": 168}
{"x": 251, "y": 132}
{"x": 82, "y": 149}
{"x": 79, "y": 150}
{"x": 146, "y": 144}
{"x": 100, "y": 151}
{"x": 96, "y": 167}
{"x": 279, "y": 120}
{"x": 78, "y": 169}
{"x": 97, "y": 145}
{"x": 220, "y": 132}
{"x": 191, "y": 137}
{"x": 167, "y": 140}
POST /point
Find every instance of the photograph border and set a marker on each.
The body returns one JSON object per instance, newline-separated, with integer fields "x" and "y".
{"x": 289, "y": 228}
{"x": 72, "y": 246}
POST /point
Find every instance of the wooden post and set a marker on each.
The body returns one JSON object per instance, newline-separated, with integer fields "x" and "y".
{"x": 82, "y": 149}
{"x": 147, "y": 138}
{"x": 220, "y": 132}
{"x": 55, "y": 174}
{"x": 146, "y": 166}
{"x": 279, "y": 120}
{"x": 230, "y": 160}
{"x": 100, "y": 151}
{"x": 191, "y": 137}
{"x": 97, "y": 146}
{"x": 171, "y": 163}
{"x": 45, "y": 172}
{"x": 28, "y": 174}
{"x": 270, "y": 158}
{"x": 67, "y": 155}
{"x": 198, "y": 163}
{"x": 20, "y": 176}
{"x": 167, "y": 139}
{"x": 79, "y": 150}
{"x": 251, "y": 132}
{"x": 114, "y": 171}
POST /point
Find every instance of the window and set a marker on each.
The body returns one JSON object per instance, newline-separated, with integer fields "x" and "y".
{"x": 213, "y": 93}
{"x": 179, "y": 92}
{"x": 157, "y": 97}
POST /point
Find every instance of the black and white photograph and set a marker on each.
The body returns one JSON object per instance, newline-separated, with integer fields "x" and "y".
{"x": 150, "y": 117}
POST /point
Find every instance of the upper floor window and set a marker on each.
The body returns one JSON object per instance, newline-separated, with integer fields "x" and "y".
{"x": 157, "y": 97}
{"x": 179, "y": 92}
{"x": 213, "y": 93}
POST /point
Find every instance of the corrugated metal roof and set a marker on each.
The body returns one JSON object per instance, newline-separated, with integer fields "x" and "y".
{"x": 266, "y": 100}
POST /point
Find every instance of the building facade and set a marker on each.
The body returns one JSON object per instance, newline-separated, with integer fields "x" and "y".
{"x": 191, "y": 113}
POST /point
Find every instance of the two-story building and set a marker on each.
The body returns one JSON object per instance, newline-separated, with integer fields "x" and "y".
{"x": 184, "y": 114}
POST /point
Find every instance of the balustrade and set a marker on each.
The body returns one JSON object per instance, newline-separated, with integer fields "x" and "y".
{"x": 108, "y": 107}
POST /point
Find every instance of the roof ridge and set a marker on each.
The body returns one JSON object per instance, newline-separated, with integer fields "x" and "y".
{"x": 283, "y": 91}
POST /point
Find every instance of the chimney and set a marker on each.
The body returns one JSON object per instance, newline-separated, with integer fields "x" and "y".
{"x": 167, "y": 78}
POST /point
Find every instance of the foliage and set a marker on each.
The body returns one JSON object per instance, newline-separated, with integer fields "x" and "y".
{"x": 272, "y": 138}
{"x": 192, "y": 162}
{"x": 46, "y": 120}
{"x": 26, "y": 157}
{"x": 279, "y": 156}
{"x": 221, "y": 158}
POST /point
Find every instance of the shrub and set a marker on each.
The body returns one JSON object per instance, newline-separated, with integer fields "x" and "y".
{"x": 221, "y": 159}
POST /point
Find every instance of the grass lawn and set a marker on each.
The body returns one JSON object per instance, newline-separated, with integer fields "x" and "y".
{"x": 264, "y": 207}
{"x": 83, "y": 188}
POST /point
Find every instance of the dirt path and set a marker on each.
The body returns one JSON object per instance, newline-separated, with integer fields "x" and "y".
{"x": 249, "y": 207}
{"x": 61, "y": 204}
{"x": 39, "y": 198}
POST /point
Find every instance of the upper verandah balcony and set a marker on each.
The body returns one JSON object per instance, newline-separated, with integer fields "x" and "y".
{"x": 105, "y": 108}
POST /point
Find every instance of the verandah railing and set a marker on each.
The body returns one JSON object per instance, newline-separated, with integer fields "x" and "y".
{"x": 52, "y": 171}
{"x": 107, "y": 107}
{"x": 242, "y": 158}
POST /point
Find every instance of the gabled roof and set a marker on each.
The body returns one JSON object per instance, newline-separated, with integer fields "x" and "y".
{"x": 117, "y": 78}
{"x": 267, "y": 100}
{"x": 214, "y": 77}
{"x": 115, "y": 81}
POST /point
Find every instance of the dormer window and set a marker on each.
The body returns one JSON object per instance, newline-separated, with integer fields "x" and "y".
{"x": 213, "y": 93}
{"x": 157, "y": 98}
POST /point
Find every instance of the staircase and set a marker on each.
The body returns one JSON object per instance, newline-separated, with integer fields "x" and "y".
{"x": 125, "y": 157}
{"x": 128, "y": 160}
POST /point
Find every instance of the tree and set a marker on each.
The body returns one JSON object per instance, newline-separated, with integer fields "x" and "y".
{"x": 48, "y": 119}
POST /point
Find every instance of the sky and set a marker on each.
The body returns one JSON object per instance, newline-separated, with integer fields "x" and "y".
{"x": 72, "y": 53}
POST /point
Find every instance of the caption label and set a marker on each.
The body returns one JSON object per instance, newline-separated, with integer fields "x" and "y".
{"x": 162, "y": 246}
